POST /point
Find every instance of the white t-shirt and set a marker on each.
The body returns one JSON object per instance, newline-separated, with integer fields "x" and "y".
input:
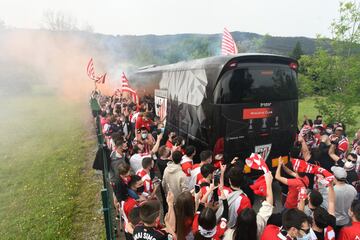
{"x": 136, "y": 161}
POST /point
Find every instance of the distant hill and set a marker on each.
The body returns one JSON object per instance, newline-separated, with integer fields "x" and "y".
{"x": 36, "y": 56}
{"x": 163, "y": 49}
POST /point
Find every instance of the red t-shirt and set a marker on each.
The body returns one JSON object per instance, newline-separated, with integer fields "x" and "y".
{"x": 141, "y": 122}
{"x": 129, "y": 204}
{"x": 169, "y": 144}
{"x": 294, "y": 185}
{"x": 351, "y": 232}
{"x": 270, "y": 232}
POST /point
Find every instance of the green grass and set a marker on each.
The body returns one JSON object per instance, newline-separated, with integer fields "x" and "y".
{"x": 306, "y": 107}
{"x": 47, "y": 189}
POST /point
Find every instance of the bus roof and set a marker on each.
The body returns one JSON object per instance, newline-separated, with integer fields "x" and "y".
{"x": 210, "y": 62}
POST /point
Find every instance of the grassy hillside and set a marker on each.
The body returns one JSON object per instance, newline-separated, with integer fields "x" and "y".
{"x": 48, "y": 190}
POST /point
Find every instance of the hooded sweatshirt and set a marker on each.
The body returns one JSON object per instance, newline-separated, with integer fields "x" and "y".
{"x": 174, "y": 179}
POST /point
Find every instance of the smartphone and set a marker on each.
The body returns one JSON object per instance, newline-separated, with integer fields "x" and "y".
{"x": 216, "y": 180}
{"x": 197, "y": 188}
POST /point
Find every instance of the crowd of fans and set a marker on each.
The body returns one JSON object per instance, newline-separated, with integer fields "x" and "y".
{"x": 160, "y": 192}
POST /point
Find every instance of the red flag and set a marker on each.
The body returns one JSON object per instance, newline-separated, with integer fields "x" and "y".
{"x": 228, "y": 45}
{"x": 125, "y": 87}
{"x": 259, "y": 186}
{"x": 255, "y": 161}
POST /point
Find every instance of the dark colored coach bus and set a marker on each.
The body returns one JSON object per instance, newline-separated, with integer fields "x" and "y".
{"x": 238, "y": 104}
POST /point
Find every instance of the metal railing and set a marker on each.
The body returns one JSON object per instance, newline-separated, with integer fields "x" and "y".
{"x": 106, "y": 193}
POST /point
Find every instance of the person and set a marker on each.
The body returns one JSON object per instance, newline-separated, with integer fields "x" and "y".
{"x": 294, "y": 184}
{"x": 180, "y": 216}
{"x": 132, "y": 221}
{"x": 350, "y": 166}
{"x": 174, "y": 178}
{"x": 120, "y": 186}
{"x": 207, "y": 171}
{"x": 353, "y": 231}
{"x": 187, "y": 160}
{"x": 150, "y": 227}
{"x": 205, "y": 157}
{"x": 250, "y": 225}
{"x": 237, "y": 199}
{"x": 140, "y": 153}
{"x": 135, "y": 189}
{"x": 125, "y": 126}
{"x": 144, "y": 173}
{"x": 339, "y": 146}
{"x": 345, "y": 194}
{"x": 205, "y": 225}
{"x": 318, "y": 122}
{"x": 164, "y": 158}
{"x": 137, "y": 157}
{"x": 295, "y": 225}
{"x": 170, "y": 141}
{"x": 117, "y": 156}
{"x": 144, "y": 121}
{"x": 323, "y": 221}
{"x": 146, "y": 139}
{"x": 315, "y": 199}
{"x": 94, "y": 104}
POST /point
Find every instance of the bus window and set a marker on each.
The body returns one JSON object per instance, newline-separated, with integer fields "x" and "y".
{"x": 263, "y": 83}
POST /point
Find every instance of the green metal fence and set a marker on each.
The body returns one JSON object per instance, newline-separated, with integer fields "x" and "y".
{"x": 106, "y": 193}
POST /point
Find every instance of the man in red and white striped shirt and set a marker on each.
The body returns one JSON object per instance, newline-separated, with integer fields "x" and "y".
{"x": 144, "y": 173}
{"x": 187, "y": 160}
{"x": 205, "y": 157}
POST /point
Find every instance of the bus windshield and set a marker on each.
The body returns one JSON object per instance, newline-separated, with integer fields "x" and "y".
{"x": 256, "y": 83}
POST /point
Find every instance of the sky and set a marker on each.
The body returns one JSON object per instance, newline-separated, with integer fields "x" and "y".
{"x": 138, "y": 17}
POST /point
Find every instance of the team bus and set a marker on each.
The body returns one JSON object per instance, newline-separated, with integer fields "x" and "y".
{"x": 234, "y": 105}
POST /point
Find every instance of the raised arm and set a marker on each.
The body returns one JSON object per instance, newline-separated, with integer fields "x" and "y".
{"x": 288, "y": 171}
{"x": 206, "y": 195}
{"x": 304, "y": 149}
{"x": 222, "y": 173}
{"x": 332, "y": 154}
{"x": 157, "y": 144}
{"x": 278, "y": 173}
{"x": 269, "y": 192}
{"x": 170, "y": 218}
{"x": 331, "y": 199}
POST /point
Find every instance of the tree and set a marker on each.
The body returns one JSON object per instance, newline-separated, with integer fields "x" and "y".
{"x": 59, "y": 21}
{"x": 297, "y": 51}
{"x": 346, "y": 29}
{"x": 335, "y": 74}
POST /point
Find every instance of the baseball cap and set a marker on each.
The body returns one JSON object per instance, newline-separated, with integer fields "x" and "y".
{"x": 339, "y": 172}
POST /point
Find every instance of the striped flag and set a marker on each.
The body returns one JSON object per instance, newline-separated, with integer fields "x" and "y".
{"x": 90, "y": 70}
{"x": 101, "y": 79}
{"x": 255, "y": 161}
{"x": 228, "y": 45}
{"x": 125, "y": 87}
